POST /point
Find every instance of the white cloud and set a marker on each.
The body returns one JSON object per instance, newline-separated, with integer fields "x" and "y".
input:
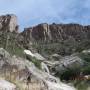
{"x": 37, "y": 11}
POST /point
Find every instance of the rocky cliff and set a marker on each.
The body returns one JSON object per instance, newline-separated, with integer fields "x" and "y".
{"x": 63, "y": 39}
{"x": 9, "y": 32}
{"x": 45, "y": 32}
{"x": 56, "y": 32}
{"x": 8, "y": 23}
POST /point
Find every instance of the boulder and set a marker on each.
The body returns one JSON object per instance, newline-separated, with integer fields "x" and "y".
{"x": 55, "y": 57}
{"x": 28, "y": 52}
{"x": 45, "y": 68}
{"x": 68, "y": 63}
{"x": 35, "y": 55}
{"x": 39, "y": 57}
{"x": 4, "y": 53}
{"x": 5, "y": 85}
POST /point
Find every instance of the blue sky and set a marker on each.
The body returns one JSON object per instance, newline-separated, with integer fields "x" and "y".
{"x": 32, "y": 12}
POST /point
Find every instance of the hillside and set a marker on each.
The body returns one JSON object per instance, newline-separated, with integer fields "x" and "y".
{"x": 50, "y": 54}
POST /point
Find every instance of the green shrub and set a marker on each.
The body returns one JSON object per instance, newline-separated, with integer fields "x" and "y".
{"x": 36, "y": 62}
{"x": 81, "y": 85}
{"x": 86, "y": 69}
{"x": 68, "y": 74}
{"x": 85, "y": 57}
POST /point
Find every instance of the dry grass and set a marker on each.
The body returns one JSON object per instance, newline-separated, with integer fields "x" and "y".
{"x": 31, "y": 86}
{"x": 21, "y": 85}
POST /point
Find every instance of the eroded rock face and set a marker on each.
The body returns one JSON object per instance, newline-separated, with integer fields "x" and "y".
{"x": 57, "y": 32}
{"x": 8, "y": 23}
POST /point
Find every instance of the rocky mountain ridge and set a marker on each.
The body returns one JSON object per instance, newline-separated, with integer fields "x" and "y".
{"x": 56, "y": 32}
{"x": 44, "y": 32}
{"x": 48, "y": 51}
{"x": 63, "y": 39}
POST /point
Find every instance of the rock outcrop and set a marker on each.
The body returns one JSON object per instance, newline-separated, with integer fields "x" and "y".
{"x": 47, "y": 81}
{"x": 5, "y": 85}
{"x": 56, "y": 32}
{"x": 8, "y": 23}
{"x": 69, "y": 63}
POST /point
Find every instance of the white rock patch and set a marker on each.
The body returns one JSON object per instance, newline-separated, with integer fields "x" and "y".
{"x": 5, "y": 85}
